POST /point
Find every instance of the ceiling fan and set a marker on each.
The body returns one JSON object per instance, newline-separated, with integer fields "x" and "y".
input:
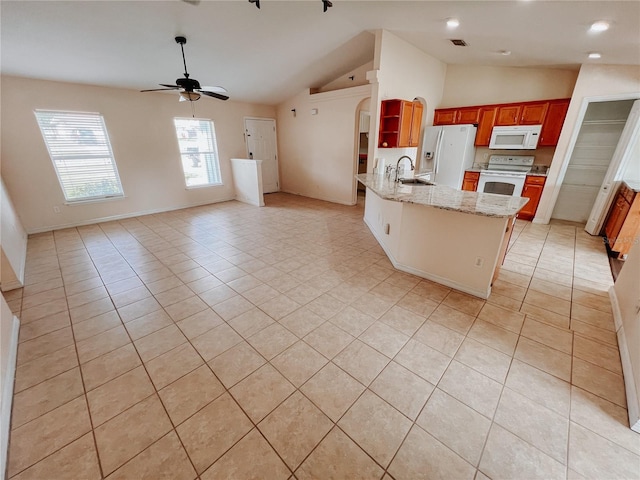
{"x": 190, "y": 88}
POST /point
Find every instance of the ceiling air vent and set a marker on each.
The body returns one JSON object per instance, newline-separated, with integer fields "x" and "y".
{"x": 458, "y": 42}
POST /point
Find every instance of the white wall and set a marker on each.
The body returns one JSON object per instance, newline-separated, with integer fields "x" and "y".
{"x": 317, "y": 153}
{"x": 13, "y": 243}
{"x": 143, "y": 138}
{"x": 468, "y": 85}
{"x": 594, "y": 81}
{"x": 9, "y": 326}
{"x": 402, "y": 71}
{"x": 626, "y": 292}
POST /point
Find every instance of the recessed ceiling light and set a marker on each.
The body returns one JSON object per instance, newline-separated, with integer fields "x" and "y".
{"x": 453, "y": 23}
{"x": 599, "y": 26}
{"x": 504, "y": 52}
{"x": 594, "y": 55}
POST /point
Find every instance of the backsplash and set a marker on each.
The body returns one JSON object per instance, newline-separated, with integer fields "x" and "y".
{"x": 543, "y": 155}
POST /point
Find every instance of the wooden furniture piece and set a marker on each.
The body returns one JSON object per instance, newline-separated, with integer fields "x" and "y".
{"x": 552, "y": 126}
{"x": 400, "y": 122}
{"x": 470, "y": 181}
{"x": 622, "y": 226}
{"x": 548, "y": 113}
{"x": 533, "y": 186}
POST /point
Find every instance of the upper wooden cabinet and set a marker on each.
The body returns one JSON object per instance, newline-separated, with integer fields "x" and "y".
{"x": 548, "y": 113}
{"x": 533, "y": 113}
{"x": 508, "y": 115}
{"x": 485, "y": 125}
{"x": 554, "y": 120}
{"x": 400, "y": 122}
{"x": 468, "y": 115}
{"x": 445, "y": 116}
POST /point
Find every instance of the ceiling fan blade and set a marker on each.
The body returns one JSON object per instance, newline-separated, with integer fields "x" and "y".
{"x": 158, "y": 89}
{"x": 170, "y": 86}
{"x": 216, "y": 89}
{"x": 214, "y": 95}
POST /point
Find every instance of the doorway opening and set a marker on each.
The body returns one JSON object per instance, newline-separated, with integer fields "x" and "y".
{"x": 592, "y": 154}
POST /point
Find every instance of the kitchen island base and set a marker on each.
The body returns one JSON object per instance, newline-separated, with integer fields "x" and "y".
{"x": 460, "y": 250}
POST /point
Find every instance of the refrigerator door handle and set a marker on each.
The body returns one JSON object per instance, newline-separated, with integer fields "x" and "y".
{"x": 438, "y": 149}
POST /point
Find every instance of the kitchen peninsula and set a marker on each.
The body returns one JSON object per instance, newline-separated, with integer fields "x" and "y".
{"x": 453, "y": 237}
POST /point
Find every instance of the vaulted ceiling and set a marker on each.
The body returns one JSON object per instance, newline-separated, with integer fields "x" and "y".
{"x": 266, "y": 55}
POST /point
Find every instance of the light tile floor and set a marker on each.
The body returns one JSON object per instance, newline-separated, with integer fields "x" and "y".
{"x": 229, "y": 341}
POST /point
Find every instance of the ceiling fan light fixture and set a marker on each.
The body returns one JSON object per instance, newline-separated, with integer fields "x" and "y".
{"x": 191, "y": 96}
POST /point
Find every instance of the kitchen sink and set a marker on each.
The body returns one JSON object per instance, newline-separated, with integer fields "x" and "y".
{"x": 415, "y": 181}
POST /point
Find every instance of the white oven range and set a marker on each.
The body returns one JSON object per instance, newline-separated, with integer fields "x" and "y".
{"x": 505, "y": 174}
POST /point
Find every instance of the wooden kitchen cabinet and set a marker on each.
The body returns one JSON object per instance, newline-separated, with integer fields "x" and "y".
{"x": 533, "y": 113}
{"x": 508, "y": 115}
{"x": 622, "y": 226}
{"x": 456, "y": 116}
{"x": 552, "y": 125}
{"x": 485, "y": 125}
{"x": 533, "y": 186}
{"x": 548, "y": 113}
{"x": 468, "y": 115}
{"x": 470, "y": 181}
{"x": 445, "y": 116}
{"x": 400, "y": 122}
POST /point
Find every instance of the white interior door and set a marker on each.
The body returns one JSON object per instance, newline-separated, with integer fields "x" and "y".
{"x": 623, "y": 154}
{"x": 260, "y": 136}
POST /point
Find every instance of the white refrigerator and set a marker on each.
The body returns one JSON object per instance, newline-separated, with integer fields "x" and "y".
{"x": 447, "y": 151}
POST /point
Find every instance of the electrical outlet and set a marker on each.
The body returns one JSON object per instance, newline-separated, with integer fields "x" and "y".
{"x": 56, "y": 209}
{"x": 479, "y": 262}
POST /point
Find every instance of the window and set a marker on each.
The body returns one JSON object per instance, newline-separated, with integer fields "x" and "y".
{"x": 199, "y": 152}
{"x": 81, "y": 154}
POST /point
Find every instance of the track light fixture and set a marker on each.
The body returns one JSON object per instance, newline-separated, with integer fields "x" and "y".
{"x": 326, "y": 4}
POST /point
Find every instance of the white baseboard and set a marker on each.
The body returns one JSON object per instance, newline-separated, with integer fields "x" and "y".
{"x": 126, "y": 215}
{"x": 426, "y": 275}
{"x": 633, "y": 405}
{"x": 7, "y": 396}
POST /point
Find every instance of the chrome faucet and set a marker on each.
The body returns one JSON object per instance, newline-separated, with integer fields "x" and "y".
{"x": 398, "y": 164}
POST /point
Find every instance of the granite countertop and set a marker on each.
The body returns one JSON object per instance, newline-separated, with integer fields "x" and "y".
{"x": 446, "y": 198}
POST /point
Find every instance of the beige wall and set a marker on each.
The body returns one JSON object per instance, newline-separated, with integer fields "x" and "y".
{"x": 359, "y": 78}
{"x": 467, "y": 85}
{"x": 603, "y": 82}
{"x": 627, "y": 293}
{"x": 402, "y": 71}
{"x": 13, "y": 244}
{"x": 317, "y": 153}
{"x": 142, "y": 135}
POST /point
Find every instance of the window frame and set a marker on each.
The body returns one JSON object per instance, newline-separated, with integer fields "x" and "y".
{"x": 64, "y": 185}
{"x": 216, "y": 172}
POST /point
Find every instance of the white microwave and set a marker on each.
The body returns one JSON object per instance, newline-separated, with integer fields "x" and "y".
{"x": 518, "y": 137}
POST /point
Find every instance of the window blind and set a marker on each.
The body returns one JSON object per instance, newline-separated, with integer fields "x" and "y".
{"x": 79, "y": 148}
{"x": 198, "y": 151}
